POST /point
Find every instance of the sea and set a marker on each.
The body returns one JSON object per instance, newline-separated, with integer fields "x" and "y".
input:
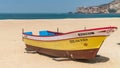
{"x": 54, "y": 16}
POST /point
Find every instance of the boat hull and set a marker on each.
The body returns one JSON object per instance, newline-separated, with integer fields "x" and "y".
{"x": 76, "y": 48}
{"x": 72, "y": 54}
{"x": 84, "y": 43}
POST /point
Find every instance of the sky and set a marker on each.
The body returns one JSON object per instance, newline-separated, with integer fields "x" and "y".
{"x": 46, "y": 6}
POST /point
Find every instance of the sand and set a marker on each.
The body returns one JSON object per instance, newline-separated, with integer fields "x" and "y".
{"x": 12, "y": 47}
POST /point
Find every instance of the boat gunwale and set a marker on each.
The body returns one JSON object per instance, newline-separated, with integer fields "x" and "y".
{"x": 72, "y": 31}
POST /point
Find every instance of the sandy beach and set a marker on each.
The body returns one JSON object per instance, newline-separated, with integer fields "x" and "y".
{"x": 12, "y": 47}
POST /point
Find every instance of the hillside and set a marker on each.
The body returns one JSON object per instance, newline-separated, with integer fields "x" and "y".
{"x": 113, "y": 7}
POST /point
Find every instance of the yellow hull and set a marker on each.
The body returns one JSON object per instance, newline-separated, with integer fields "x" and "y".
{"x": 69, "y": 44}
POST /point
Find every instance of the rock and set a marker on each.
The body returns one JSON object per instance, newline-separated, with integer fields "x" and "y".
{"x": 113, "y": 7}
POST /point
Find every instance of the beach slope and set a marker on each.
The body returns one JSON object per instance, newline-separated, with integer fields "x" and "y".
{"x": 12, "y": 48}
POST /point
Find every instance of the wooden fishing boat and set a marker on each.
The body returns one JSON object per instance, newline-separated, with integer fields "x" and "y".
{"x": 80, "y": 44}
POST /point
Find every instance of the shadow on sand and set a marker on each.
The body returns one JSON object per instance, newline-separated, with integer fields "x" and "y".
{"x": 98, "y": 59}
{"x": 118, "y": 43}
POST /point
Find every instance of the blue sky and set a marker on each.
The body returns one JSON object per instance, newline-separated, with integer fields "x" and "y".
{"x": 45, "y": 6}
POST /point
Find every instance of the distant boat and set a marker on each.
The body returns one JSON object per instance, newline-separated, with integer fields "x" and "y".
{"x": 80, "y": 44}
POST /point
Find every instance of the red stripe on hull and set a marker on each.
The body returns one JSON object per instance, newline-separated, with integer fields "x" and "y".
{"x": 111, "y": 27}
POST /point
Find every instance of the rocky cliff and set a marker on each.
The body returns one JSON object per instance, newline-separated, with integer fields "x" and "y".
{"x": 113, "y": 7}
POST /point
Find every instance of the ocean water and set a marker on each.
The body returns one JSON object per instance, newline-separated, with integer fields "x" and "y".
{"x": 55, "y": 16}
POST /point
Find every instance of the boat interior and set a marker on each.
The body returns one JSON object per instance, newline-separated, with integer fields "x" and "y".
{"x": 45, "y": 33}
